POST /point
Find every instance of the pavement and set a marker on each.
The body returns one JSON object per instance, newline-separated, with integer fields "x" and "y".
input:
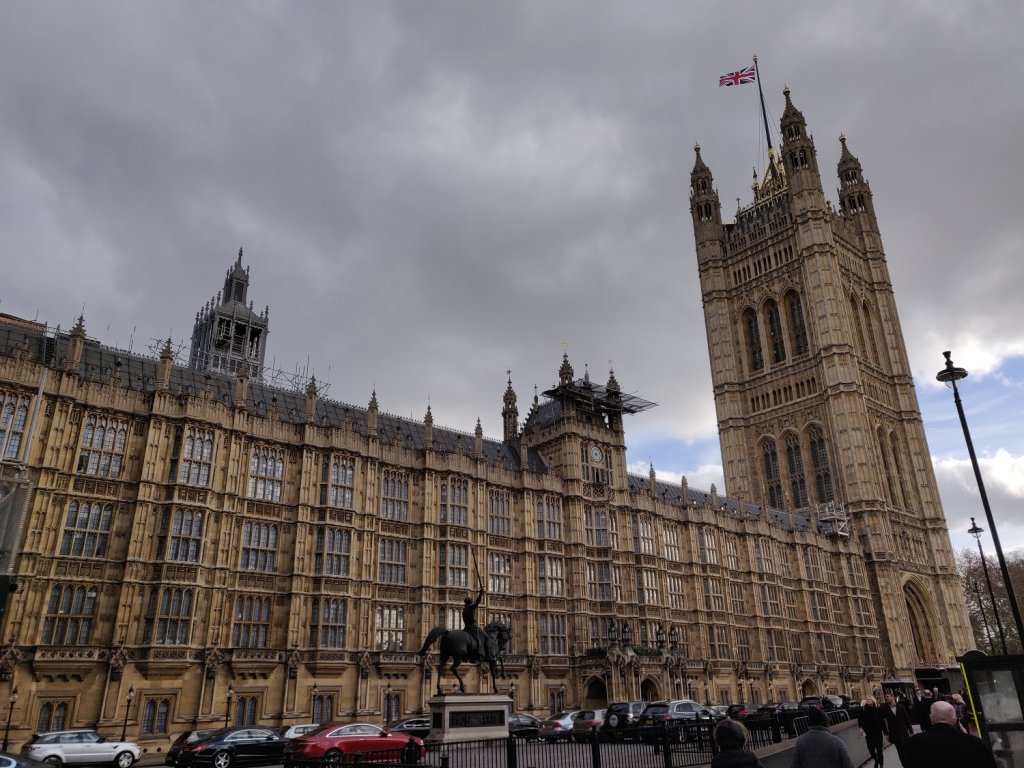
{"x": 892, "y": 760}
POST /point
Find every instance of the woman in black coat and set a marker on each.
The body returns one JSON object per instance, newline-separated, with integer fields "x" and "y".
{"x": 731, "y": 738}
{"x": 872, "y": 726}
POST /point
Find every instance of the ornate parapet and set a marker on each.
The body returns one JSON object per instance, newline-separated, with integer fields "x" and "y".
{"x": 328, "y": 663}
{"x": 395, "y": 663}
{"x": 65, "y": 663}
{"x": 166, "y": 663}
{"x": 255, "y": 662}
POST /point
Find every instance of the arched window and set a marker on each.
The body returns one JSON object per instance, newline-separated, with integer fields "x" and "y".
{"x": 822, "y": 471}
{"x": 69, "y": 615}
{"x": 775, "y": 335}
{"x": 53, "y": 716}
{"x": 753, "y": 340}
{"x": 797, "y": 328}
{"x": 155, "y": 715}
{"x": 323, "y": 708}
{"x": 795, "y": 466}
{"x": 772, "y": 477}
{"x": 245, "y": 710}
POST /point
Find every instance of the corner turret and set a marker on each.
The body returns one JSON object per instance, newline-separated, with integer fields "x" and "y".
{"x": 706, "y": 210}
{"x": 510, "y": 413}
{"x": 801, "y": 161}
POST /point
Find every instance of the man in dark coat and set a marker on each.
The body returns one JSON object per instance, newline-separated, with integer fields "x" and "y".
{"x": 897, "y": 725}
{"x": 924, "y": 708}
{"x": 872, "y": 726}
{"x": 944, "y": 745}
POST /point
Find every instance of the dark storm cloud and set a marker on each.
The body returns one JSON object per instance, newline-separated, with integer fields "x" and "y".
{"x": 430, "y": 193}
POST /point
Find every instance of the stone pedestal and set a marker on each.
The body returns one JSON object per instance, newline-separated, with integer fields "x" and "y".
{"x": 468, "y": 717}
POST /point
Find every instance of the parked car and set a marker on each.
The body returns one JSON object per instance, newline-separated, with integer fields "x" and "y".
{"x": 291, "y": 731}
{"x": 239, "y": 745}
{"x": 821, "y": 702}
{"x": 10, "y": 760}
{"x": 523, "y": 726}
{"x": 671, "y": 714}
{"x": 620, "y": 720}
{"x": 721, "y": 711}
{"x": 410, "y": 726}
{"x": 587, "y": 724}
{"x": 336, "y": 741}
{"x": 558, "y": 727}
{"x": 741, "y": 711}
{"x": 183, "y": 738}
{"x": 80, "y": 747}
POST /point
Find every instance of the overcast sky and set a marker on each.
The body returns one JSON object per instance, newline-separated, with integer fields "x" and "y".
{"x": 430, "y": 193}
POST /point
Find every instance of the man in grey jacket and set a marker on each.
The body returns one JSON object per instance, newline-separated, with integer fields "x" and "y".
{"x": 818, "y": 748}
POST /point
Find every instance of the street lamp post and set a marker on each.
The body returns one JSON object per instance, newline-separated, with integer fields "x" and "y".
{"x": 975, "y": 530}
{"x": 10, "y": 713}
{"x": 951, "y": 375}
{"x": 127, "y": 709}
{"x": 227, "y": 709}
{"x": 315, "y": 708}
{"x": 984, "y": 620}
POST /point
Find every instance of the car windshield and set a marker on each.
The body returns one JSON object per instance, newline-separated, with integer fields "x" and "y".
{"x": 656, "y": 709}
{"x": 561, "y": 716}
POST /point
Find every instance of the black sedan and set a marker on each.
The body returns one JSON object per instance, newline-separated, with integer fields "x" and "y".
{"x": 523, "y": 726}
{"x": 231, "y": 747}
{"x": 411, "y": 726}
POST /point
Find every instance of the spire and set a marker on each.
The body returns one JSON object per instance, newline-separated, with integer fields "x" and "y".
{"x": 478, "y": 440}
{"x": 311, "y": 400}
{"x": 854, "y": 191}
{"x": 76, "y": 343}
{"x": 800, "y": 161}
{"x": 428, "y": 429}
{"x": 163, "y": 368}
{"x": 654, "y": 479}
{"x": 510, "y": 412}
{"x": 565, "y": 372}
{"x": 613, "y": 383}
{"x": 706, "y": 210}
{"x": 371, "y": 415}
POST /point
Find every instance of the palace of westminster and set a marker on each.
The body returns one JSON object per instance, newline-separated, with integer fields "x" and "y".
{"x": 188, "y": 545}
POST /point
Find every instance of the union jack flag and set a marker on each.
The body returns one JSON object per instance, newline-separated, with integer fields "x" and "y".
{"x": 747, "y": 75}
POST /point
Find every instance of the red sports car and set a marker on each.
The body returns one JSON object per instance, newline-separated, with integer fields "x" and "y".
{"x": 342, "y": 742}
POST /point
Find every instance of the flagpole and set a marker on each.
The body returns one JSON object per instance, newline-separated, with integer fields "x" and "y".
{"x": 764, "y": 112}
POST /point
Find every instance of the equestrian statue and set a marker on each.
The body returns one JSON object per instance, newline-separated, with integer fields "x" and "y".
{"x": 470, "y": 644}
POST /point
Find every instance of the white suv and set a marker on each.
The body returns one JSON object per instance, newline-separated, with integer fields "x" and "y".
{"x": 81, "y": 747}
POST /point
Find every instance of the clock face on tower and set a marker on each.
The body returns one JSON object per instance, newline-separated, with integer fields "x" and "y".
{"x": 596, "y": 454}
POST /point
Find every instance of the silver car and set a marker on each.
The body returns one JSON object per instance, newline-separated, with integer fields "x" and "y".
{"x": 80, "y": 747}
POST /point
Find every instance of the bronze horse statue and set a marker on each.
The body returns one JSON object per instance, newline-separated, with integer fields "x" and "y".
{"x": 459, "y": 646}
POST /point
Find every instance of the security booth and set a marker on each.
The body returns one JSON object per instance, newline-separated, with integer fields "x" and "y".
{"x": 995, "y": 696}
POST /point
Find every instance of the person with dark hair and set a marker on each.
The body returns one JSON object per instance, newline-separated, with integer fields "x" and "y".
{"x": 897, "y": 725}
{"x": 818, "y": 748}
{"x": 944, "y": 745}
{"x": 872, "y": 725}
{"x": 731, "y": 738}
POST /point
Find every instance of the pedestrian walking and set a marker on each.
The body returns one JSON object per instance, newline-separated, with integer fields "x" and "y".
{"x": 872, "y": 726}
{"x": 731, "y": 738}
{"x": 818, "y": 748}
{"x": 897, "y": 725}
{"x": 944, "y": 745}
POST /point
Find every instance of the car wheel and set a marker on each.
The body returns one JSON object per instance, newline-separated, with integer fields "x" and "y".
{"x": 333, "y": 756}
{"x": 54, "y": 760}
{"x": 124, "y": 759}
{"x": 222, "y": 760}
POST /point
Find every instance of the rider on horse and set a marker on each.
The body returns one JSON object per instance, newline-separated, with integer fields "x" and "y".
{"x": 470, "y": 625}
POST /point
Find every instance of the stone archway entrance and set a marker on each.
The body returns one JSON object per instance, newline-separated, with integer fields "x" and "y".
{"x": 920, "y": 624}
{"x": 649, "y": 691}
{"x": 595, "y": 694}
{"x": 808, "y": 688}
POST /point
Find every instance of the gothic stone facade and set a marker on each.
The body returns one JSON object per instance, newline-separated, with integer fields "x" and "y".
{"x": 223, "y": 550}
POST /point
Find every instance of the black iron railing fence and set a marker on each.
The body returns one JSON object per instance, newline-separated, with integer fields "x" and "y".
{"x": 675, "y": 746}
